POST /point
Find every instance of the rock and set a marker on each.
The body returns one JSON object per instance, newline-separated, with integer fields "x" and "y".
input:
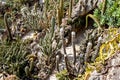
{"x": 53, "y": 77}
{"x": 84, "y": 6}
{"x": 112, "y": 72}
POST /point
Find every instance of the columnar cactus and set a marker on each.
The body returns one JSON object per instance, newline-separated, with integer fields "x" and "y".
{"x": 7, "y": 25}
{"x": 61, "y": 8}
{"x": 89, "y": 46}
{"x": 73, "y": 46}
{"x": 67, "y": 63}
{"x": 57, "y": 63}
{"x": 63, "y": 40}
{"x": 99, "y": 42}
{"x": 58, "y": 17}
{"x": 52, "y": 26}
{"x": 70, "y": 8}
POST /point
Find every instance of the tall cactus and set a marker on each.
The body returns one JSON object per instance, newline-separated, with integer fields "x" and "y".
{"x": 89, "y": 46}
{"x": 7, "y": 25}
{"x": 60, "y": 12}
{"x": 57, "y": 63}
{"x": 52, "y": 26}
{"x": 61, "y": 8}
{"x": 99, "y": 42}
{"x": 70, "y": 8}
{"x": 73, "y": 46}
{"x": 58, "y": 17}
{"x": 63, "y": 40}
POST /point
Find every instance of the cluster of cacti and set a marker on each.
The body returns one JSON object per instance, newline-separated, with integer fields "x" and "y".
{"x": 89, "y": 51}
{"x": 71, "y": 69}
{"x": 38, "y": 58}
{"x": 49, "y": 46}
{"x": 91, "y": 45}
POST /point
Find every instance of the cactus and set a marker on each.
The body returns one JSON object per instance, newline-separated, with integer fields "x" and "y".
{"x": 63, "y": 40}
{"x": 35, "y": 7}
{"x": 52, "y": 26}
{"x": 88, "y": 50}
{"x": 57, "y": 63}
{"x": 67, "y": 64}
{"x": 7, "y": 26}
{"x": 73, "y": 46}
{"x": 70, "y": 8}
{"x": 61, "y": 8}
{"x": 60, "y": 12}
{"x": 31, "y": 65}
{"x": 89, "y": 46}
{"x": 27, "y": 71}
{"x": 97, "y": 48}
{"x": 58, "y": 17}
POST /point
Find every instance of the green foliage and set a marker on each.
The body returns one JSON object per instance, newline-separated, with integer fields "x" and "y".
{"x": 47, "y": 41}
{"x": 108, "y": 13}
{"x": 13, "y": 58}
{"x": 63, "y": 75}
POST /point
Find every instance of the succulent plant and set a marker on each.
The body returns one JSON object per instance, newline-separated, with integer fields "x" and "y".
{"x": 7, "y": 26}
{"x": 73, "y": 46}
{"x": 70, "y": 8}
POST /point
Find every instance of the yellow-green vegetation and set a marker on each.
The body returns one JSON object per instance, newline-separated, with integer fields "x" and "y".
{"x": 63, "y": 75}
{"x": 107, "y": 50}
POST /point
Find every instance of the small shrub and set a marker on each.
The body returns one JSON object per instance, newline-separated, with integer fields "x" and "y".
{"x": 108, "y": 14}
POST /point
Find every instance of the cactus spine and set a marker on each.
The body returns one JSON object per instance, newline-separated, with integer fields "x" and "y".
{"x": 7, "y": 26}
